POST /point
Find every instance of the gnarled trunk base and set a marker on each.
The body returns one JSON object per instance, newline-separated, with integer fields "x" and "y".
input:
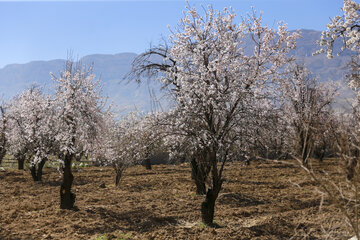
{"x": 208, "y": 208}
{"x": 67, "y": 198}
{"x": 36, "y": 173}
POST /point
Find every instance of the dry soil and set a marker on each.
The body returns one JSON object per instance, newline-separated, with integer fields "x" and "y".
{"x": 266, "y": 200}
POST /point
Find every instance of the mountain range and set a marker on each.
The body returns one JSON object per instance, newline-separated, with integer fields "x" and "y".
{"x": 112, "y": 68}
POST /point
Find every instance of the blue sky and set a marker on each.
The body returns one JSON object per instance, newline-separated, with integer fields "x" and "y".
{"x": 45, "y": 30}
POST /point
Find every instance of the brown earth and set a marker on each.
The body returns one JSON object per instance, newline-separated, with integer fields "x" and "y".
{"x": 266, "y": 200}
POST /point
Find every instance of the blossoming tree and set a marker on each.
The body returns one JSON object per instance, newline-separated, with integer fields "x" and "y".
{"x": 79, "y": 118}
{"x": 127, "y": 142}
{"x": 214, "y": 82}
{"x": 306, "y": 104}
{"x": 31, "y": 131}
{"x": 345, "y": 27}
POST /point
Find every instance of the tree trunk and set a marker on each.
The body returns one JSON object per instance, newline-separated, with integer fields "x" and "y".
{"x": 2, "y": 154}
{"x": 200, "y": 187}
{"x": 322, "y": 155}
{"x": 118, "y": 178}
{"x": 208, "y": 208}
{"x": 67, "y": 198}
{"x": 148, "y": 164}
{"x": 40, "y": 168}
{"x": 323, "y": 151}
{"x": 352, "y": 162}
{"x": 37, "y": 173}
{"x": 21, "y": 161}
{"x": 33, "y": 173}
{"x": 305, "y": 146}
{"x": 198, "y": 176}
{"x": 350, "y": 167}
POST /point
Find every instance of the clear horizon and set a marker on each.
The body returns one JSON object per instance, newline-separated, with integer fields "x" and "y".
{"x": 46, "y": 30}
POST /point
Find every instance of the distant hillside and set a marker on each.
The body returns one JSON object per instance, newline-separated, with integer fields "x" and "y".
{"x": 326, "y": 69}
{"x": 112, "y": 68}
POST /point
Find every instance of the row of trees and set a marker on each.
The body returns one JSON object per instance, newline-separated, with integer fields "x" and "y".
{"x": 226, "y": 105}
{"x": 70, "y": 124}
{"x": 39, "y": 128}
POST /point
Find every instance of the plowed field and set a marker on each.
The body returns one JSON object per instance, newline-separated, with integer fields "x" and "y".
{"x": 266, "y": 200}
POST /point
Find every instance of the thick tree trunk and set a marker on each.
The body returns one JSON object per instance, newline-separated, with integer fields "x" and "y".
{"x": 36, "y": 173}
{"x": 33, "y": 173}
{"x": 67, "y": 198}
{"x": 199, "y": 177}
{"x": 208, "y": 207}
{"x": 40, "y": 169}
{"x": 148, "y": 164}
{"x": 200, "y": 187}
{"x": 21, "y": 161}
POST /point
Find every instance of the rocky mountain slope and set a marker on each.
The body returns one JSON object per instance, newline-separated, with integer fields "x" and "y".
{"x": 112, "y": 68}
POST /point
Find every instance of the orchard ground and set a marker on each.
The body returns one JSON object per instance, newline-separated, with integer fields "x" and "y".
{"x": 266, "y": 200}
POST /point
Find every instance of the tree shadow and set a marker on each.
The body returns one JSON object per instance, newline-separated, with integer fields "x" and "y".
{"x": 274, "y": 226}
{"x": 159, "y": 171}
{"x": 239, "y": 200}
{"x": 256, "y": 183}
{"x": 51, "y": 183}
{"x": 18, "y": 179}
{"x": 140, "y": 188}
{"x": 13, "y": 176}
{"x": 80, "y": 181}
{"x": 297, "y": 204}
{"x": 277, "y": 165}
{"x": 138, "y": 220}
{"x": 135, "y": 174}
{"x": 56, "y": 183}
